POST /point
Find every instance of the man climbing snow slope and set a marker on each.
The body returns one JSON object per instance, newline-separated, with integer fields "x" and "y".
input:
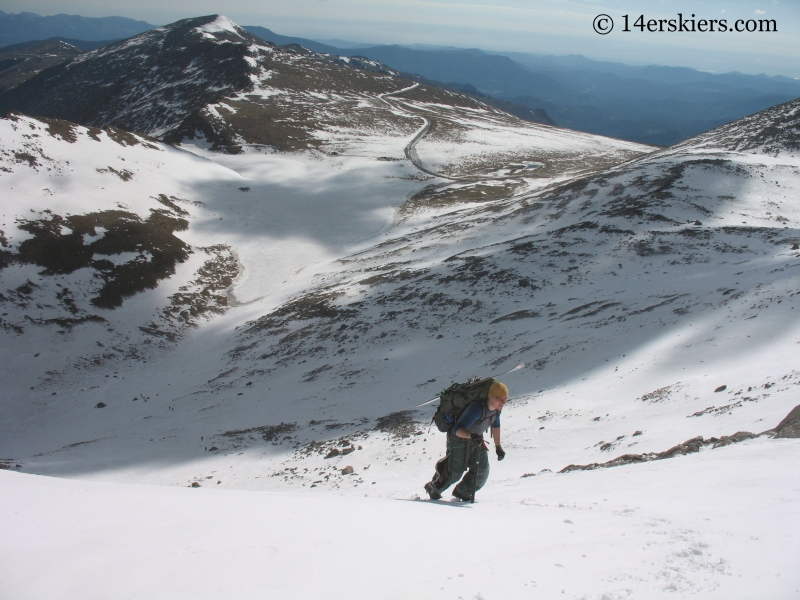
{"x": 466, "y": 449}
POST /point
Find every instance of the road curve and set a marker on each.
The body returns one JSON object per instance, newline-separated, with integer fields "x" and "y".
{"x": 409, "y": 150}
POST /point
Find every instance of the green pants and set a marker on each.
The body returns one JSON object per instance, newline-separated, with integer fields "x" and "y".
{"x": 462, "y": 455}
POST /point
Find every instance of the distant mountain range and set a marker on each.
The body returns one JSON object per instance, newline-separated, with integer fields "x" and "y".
{"x": 26, "y": 26}
{"x": 652, "y": 104}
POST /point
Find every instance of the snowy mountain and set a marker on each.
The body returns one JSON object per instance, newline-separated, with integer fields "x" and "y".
{"x": 149, "y": 83}
{"x": 210, "y": 78}
{"x": 267, "y": 322}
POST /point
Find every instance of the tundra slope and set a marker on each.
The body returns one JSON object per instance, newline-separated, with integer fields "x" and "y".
{"x": 684, "y": 258}
{"x": 647, "y": 267}
{"x": 116, "y": 245}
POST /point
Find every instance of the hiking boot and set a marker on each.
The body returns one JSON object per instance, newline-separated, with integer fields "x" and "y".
{"x": 432, "y": 492}
{"x": 460, "y": 496}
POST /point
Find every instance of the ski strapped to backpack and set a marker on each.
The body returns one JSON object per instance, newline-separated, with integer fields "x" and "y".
{"x": 432, "y": 400}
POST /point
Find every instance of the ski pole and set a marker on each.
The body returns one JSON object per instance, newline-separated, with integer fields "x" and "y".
{"x": 518, "y": 367}
{"x": 477, "y": 470}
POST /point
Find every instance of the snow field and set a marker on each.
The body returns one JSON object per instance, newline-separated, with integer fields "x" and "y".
{"x": 720, "y": 524}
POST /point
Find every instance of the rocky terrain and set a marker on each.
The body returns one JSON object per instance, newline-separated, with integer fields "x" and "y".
{"x": 18, "y": 65}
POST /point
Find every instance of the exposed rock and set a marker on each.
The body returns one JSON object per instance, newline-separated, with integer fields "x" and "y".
{"x": 726, "y": 440}
{"x": 721, "y": 388}
{"x": 790, "y": 426}
{"x": 101, "y": 405}
{"x": 332, "y": 453}
{"x": 346, "y": 451}
{"x": 195, "y": 484}
{"x": 348, "y": 470}
{"x": 400, "y": 424}
{"x": 268, "y": 433}
{"x": 687, "y": 447}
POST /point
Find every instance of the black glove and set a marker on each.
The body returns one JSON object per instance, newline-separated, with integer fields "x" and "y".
{"x": 501, "y": 454}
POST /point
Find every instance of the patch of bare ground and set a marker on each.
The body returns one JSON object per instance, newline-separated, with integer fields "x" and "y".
{"x": 205, "y": 295}
{"x": 124, "y": 174}
{"x": 787, "y": 428}
{"x": 332, "y": 448}
{"x": 687, "y": 447}
{"x": 319, "y": 304}
{"x": 400, "y": 424}
{"x": 441, "y": 196}
{"x": 444, "y": 130}
{"x": 57, "y": 244}
{"x": 553, "y": 164}
{"x": 661, "y": 394}
{"x": 433, "y": 95}
{"x": 266, "y": 433}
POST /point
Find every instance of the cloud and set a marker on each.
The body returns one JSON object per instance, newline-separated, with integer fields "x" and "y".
{"x": 761, "y": 12}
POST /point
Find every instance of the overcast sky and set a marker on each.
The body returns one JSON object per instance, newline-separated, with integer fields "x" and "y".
{"x": 536, "y": 26}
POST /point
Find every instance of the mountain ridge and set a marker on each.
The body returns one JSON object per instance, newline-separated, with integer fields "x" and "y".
{"x": 141, "y": 84}
{"x": 27, "y": 26}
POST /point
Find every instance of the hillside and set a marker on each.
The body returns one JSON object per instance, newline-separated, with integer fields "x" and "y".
{"x": 18, "y": 64}
{"x": 253, "y": 322}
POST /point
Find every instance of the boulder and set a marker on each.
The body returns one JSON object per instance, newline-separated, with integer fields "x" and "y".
{"x": 790, "y": 426}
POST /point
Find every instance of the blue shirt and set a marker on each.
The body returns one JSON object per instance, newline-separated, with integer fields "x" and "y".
{"x": 472, "y": 414}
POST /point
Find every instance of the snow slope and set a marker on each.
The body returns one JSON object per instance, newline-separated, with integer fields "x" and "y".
{"x": 633, "y": 293}
{"x": 722, "y": 524}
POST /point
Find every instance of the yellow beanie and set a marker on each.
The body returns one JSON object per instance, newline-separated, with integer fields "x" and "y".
{"x": 498, "y": 390}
